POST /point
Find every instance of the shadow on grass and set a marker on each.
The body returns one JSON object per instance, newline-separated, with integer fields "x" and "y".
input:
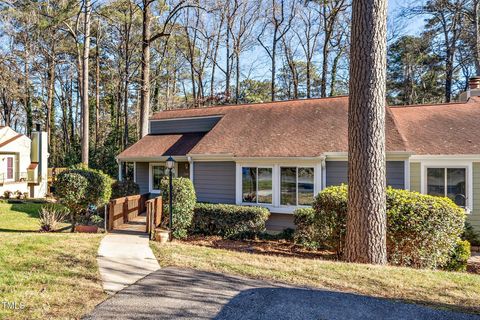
{"x": 22, "y": 231}
{"x": 29, "y": 208}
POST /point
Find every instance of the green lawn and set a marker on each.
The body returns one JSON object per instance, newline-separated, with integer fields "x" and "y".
{"x": 451, "y": 290}
{"x": 54, "y": 275}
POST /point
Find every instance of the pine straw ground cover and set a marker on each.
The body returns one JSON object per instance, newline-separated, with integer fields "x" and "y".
{"x": 47, "y": 275}
{"x": 451, "y": 290}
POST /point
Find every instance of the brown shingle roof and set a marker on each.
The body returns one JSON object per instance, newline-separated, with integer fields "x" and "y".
{"x": 441, "y": 129}
{"x": 298, "y": 128}
{"x": 154, "y": 146}
{"x": 310, "y": 128}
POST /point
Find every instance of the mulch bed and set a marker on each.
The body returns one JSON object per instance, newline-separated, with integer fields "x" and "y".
{"x": 259, "y": 246}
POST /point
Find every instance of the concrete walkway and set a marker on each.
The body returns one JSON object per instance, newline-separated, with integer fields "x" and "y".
{"x": 173, "y": 293}
{"x": 123, "y": 259}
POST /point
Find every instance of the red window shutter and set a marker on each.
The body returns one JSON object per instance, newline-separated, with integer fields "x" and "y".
{"x": 10, "y": 168}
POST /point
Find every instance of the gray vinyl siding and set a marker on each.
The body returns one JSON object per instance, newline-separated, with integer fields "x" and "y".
{"x": 214, "y": 181}
{"x": 337, "y": 173}
{"x": 142, "y": 178}
{"x": 396, "y": 174}
{"x": 183, "y": 125}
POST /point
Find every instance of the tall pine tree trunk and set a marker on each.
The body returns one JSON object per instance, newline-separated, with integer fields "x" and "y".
{"x": 50, "y": 123}
{"x": 85, "y": 106}
{"x": 366, "y": 222}
{"x": 145, "y": 80}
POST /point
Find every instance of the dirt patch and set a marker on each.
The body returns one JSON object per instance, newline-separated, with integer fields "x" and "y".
{"x": 268, "y": 247}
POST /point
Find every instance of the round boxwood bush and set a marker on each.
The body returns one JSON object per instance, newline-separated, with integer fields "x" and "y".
{"x": 70, "y": 188}
{"x": 422, "y": 230}
{"x": 124, "y": 188}
{"x": 81, "y": 188}
{"x": 229, "y": 221}
{"x": 184, "y": 199}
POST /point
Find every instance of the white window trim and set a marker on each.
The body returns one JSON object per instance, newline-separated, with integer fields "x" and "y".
{"x": 241, "y": 183}
{"x": 275, "y": 207}
{"x": 150, "y": 174}
{"x": 296, "y": 177}
{"x": 468, "y": 165}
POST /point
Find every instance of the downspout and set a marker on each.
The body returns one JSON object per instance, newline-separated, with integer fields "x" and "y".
{"x": 324, "y": 173}
{"x": 190, "y": 165}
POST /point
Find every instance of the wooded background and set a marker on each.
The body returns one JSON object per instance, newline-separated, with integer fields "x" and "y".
{"x": 91, "y": 72}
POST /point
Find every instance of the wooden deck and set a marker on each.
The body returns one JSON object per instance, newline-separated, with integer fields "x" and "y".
{"x": 137, "y": 224}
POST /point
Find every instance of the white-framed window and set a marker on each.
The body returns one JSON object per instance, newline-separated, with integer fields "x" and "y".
{"x": 297, "y": 186}
{"x": 156, "y": 173}
{"x": 450, "y": 182}
{"x": 257, "y": 185}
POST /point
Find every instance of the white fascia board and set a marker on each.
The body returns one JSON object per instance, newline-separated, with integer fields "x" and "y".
{"x": 151, "y": 159}
{"x": 211, "y": 157}
{"x": 467, "y": 157}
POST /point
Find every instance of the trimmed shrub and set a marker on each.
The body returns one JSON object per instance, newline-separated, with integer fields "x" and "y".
{"x": 184, "y": 200}
{"x": 306, "y": 233}
{"x": 71, "y": 188}
{"x": 422, "y": 230}
{"x": 99, "y": 188}
{"x": 229, "y": 221}
{"x": 7, "y": 194}
{"x": 81, "y": 190}
{"x": 459, "y": 258}
{"x": 124, "y": 188}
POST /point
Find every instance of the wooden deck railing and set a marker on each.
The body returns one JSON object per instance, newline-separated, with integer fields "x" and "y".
{"x": 122, "y": 210}
{"x": 154, "y": 214}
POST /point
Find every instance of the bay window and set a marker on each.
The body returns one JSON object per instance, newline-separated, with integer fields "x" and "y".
{"x": 296, "y": 186}
{"x": 448, "y": 182}
{"x": 257, "y": 185}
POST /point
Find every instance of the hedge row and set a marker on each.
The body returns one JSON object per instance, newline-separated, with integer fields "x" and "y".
{"x": 422, "y": 230}
{"x": 229, "y": 221}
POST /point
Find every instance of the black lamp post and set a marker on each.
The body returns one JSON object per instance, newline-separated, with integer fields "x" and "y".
{"x": 170, "y": 166}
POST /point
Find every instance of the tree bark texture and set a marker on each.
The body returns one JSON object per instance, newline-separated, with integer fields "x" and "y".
{"x": 145, "y": 81}
{"x": 366, "y": 222}
{"x": 85, "y": 106}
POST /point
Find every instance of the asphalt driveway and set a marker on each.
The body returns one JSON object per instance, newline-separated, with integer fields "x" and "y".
{"x": 173, "y": 293}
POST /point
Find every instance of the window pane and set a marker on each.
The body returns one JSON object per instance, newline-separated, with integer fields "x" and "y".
{"x": 305, "y": 186}
{"x": 249, "y": 184}
{"x": 158, "y": 172}
{"x": 264, "y": 185}
{"x": 456, "y": 185}
{"x": 436, "y": 181}
{"x": 288, "y": 181}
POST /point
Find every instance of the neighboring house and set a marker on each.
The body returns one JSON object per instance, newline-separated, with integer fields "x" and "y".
{"x": 23, "y": 163}
{"x": 280, "y": 154}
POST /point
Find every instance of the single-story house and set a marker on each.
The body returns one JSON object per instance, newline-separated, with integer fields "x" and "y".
{"x": 281, "y": 154}
{"x": 23, "y": 163}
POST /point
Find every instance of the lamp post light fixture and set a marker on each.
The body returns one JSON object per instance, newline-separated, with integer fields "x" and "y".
{"x": 170, "y": 165}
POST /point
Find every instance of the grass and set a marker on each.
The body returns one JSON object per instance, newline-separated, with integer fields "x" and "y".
{"x": 451, "y": 290}
{"x": 54, "y": 275}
